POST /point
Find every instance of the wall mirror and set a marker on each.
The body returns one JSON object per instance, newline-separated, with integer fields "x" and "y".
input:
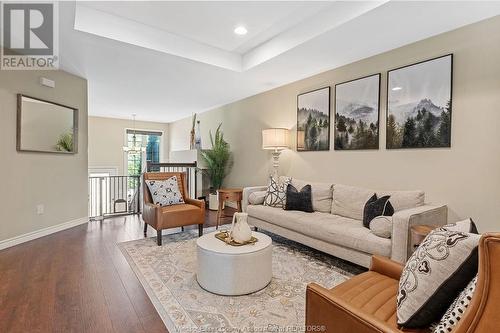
{"x": 43, "y": 126}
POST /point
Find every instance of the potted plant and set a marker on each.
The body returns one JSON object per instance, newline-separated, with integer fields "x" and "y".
{"x": 218, "y": 163}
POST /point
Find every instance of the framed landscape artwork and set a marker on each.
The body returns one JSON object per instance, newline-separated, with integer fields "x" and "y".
{"x": 357, "y": 108}
{"x": 313, "y": 120}
{"x": 419, "y": 104}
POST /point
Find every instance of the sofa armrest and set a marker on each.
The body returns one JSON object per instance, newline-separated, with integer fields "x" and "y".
{"x": 403, "y": 221}
{"x": 330, "y": 314}
{"x": 386, "y": 266}
{"x": 246, "y": 193}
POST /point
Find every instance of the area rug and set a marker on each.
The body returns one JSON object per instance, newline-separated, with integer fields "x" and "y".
{"x": 168, "y": 274}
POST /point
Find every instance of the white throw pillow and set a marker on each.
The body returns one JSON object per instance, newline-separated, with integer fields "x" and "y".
{"x": 381, "y": 226}
{"x": 350, "y": 201}
{"x": 165, "y": 192}
{"x": 464, "y": 226}
{"x": 438, "y": 270}
{"x": 456, "y": 310}
{"x": 402, "y": 200}
{"x": 321, "y": 194}
{"x": 276, "y": 192}
{"x": 257, "y": 198}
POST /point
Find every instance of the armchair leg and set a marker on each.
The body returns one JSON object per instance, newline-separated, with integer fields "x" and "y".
{"x": 145, "y": 229}
{"x": 200, "y": 230}
{"x": 158, "y": 237}
{"x": 182, "y": 228}
{"x": 255, "y": 229}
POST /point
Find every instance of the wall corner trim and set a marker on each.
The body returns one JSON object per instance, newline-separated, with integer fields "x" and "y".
{"x": 6, "y": 243}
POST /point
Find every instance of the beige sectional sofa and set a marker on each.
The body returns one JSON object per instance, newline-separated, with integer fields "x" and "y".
{"x": 336, "y": 226}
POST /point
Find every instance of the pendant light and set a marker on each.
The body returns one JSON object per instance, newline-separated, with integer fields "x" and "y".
{"x": 136, "y": 147}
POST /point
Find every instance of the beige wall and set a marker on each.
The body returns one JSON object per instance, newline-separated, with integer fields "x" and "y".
{"x": 466, "y": 177}
{"x": 58, "y": 181}
{"x": 107, "y": 138}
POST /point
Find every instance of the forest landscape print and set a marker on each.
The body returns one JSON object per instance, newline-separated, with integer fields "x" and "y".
{"x": 313, "y": 120}
{"x": 419, "y": 105}
{"x": 357, "y": 114}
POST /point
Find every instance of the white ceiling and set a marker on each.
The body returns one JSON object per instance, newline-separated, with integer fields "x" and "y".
{"x": 166, "y": 60}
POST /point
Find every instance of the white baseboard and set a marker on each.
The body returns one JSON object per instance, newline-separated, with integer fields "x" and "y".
{"x": 40, "y": 233}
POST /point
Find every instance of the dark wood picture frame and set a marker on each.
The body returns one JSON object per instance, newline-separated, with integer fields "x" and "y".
{"x": 450, "y": 101}
{"x": 19, "y": 124}
{"x": 378, "y": 112}
{"x": 327, "y": 148}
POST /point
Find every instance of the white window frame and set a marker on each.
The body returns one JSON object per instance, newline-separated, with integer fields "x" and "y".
{"x": 125, "y": 140}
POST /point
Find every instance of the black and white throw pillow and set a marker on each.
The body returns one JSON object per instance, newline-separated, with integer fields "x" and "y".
{"x": 436, "y": 272}
{"x": 165, "y": 192}
{"x": 299, "y": 200}
{"x": 376, "y": 207}
{"x": 466, "y": 225}
{"x": 456, "y": 310}
{"x": 276, "y": 192}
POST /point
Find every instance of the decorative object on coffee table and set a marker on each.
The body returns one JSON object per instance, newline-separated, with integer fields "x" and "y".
{"x": 418, "y": 234}
{"x": 225, "y": 237}
{"x": 233, "y": 270}
{"x": 228, "y": 194}
{"x": 275, "y": 139}
{"x": 240, "y": 230}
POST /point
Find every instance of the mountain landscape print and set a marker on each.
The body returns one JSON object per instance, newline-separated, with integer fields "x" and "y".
{"x": 357, "y": 114}
{"x": 419, "y": 105}
{"x": 313, "y": 120}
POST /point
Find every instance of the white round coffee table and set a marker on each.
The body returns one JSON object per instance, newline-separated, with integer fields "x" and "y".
{"x": 234, "y": 270}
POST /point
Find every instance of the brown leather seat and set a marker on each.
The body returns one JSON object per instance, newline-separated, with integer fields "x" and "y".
{"x": 189, "y": 213}
{"x": 367, "y": 302}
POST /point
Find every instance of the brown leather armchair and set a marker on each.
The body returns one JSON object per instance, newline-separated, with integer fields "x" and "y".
{"x": 367, "y": 302}
{"x": 189, "y": 213}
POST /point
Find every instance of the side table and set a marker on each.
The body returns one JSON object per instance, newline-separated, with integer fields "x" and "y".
{"x": 228, "y": 194}
{"x": 418, "y": 234}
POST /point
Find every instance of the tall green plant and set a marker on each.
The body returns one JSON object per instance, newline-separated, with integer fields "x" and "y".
{"x": 218, "y": 159}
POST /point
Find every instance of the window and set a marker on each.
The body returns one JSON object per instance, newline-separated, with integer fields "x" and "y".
{"x": 151, "y": 141}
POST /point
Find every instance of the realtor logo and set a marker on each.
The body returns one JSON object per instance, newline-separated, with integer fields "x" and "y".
{"x": 29, "y": 36}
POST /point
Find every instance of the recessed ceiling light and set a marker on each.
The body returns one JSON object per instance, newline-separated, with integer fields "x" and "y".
{"x": 396, "y": 88}
{"x": 240, "y": 30}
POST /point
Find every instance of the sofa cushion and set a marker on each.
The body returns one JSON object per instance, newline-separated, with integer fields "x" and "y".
{"x": 321, "y": 194}
{"x": 165, "y": 192}
{"x": 299, "y": 200}
{"x": 401, "y": 200}
{"x": 467, "y": 225}
{"x": 376, "y": 207}
{"x": 437, "y": 271}
{"x": 276, "y": 192}
{"x": 349, "y": 201}
{"x": 329, "y": 228}
{"x": 457, "y": 309}
{"x": 257, "y": 197}
{"x": 381, "y": 226}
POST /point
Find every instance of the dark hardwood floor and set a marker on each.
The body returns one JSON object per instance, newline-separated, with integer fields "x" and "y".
{"x": 77, "y": 280}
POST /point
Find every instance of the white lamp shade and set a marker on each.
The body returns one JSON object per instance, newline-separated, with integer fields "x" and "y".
{"x": 275, "y": 138}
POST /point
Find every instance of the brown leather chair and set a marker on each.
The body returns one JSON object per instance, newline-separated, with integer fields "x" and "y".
{"x": 158, "y": 217}
{"x": 367, "y": 302}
